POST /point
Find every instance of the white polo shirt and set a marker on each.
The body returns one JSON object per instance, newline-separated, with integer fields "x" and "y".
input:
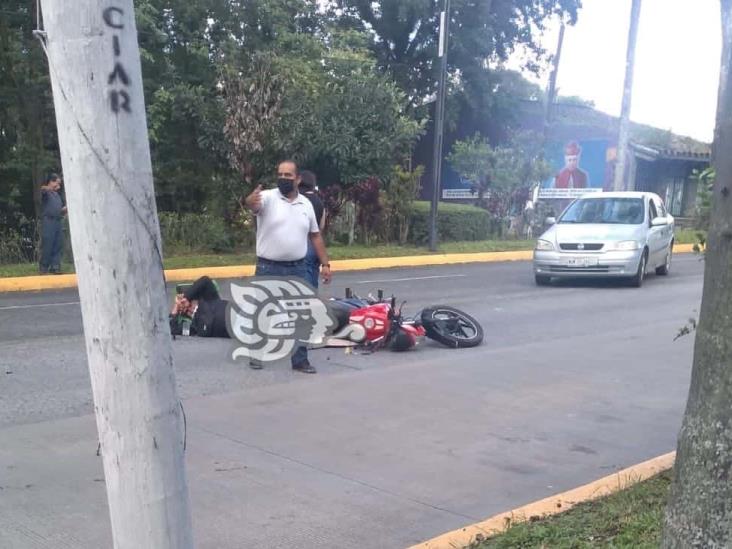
{"x": 283, "y": 227}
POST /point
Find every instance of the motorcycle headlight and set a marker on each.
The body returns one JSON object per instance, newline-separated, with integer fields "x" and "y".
{"x": 627, "y": 245}
{"x": 544, "y": 246}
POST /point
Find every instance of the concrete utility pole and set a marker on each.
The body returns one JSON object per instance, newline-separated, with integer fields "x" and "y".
{"x": 551, "y": 94}
{"x": 95, "y": 71}
{"x": 439, "y": 123}
{"x": 623, "y": 133}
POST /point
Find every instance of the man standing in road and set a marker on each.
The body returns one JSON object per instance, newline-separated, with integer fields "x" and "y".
{"x": 52, "y": 237}
{"x": 285, "y": 222}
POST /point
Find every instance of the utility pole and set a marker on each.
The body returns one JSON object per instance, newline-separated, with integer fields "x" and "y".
{"x": 439, "y": 123}
{"x": 551, "y": 95}
{"x": 624, "y": 130}
{"x": 94, "y": 63}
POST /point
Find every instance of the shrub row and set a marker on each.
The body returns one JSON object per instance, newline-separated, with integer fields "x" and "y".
{"x": 455, "y": 222}
{"x": 196, "y": 233}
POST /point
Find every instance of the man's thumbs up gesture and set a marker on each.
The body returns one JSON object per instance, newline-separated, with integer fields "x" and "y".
{"x": 254, "y": 200}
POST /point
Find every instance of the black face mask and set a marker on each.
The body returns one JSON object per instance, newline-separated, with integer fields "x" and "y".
{"x": 286, "y": 186}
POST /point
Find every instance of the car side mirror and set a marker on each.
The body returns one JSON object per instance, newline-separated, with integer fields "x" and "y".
{"x": 551, "y": 220}
{"x": 659, "y": 222}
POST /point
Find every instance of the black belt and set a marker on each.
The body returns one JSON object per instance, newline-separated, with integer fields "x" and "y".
{"x": 265, "y": 261}
{"x": 52, "y": 217}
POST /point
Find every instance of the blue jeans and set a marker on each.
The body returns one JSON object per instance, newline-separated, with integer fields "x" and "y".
{"x": 313, "y": 266}
{"x": 296, "y": 271}
{"x": 52, "y": 240}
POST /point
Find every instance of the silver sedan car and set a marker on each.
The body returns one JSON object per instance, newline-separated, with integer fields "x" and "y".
{"x": 619, "y": 234}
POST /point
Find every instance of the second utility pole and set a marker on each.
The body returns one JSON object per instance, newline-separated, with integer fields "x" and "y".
{"x": 624, "y": 129}
{"x": 439, "y": 124}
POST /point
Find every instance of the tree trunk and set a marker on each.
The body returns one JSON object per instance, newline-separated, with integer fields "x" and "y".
{"x": 351, "y": 211}
{"x": 699, "y": 513}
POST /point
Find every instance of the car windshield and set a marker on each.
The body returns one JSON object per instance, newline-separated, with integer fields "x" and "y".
{"x": 622, "y": 211}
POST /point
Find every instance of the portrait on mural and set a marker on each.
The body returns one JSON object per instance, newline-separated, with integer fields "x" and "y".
{"x": 571, "y": 175}
{"x": 578, "y": 167}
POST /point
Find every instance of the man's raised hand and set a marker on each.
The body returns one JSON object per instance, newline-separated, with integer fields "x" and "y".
{"x": 254, "y": 200}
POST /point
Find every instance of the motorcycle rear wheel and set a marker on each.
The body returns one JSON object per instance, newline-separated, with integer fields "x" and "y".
{"x": 451, "y": 327}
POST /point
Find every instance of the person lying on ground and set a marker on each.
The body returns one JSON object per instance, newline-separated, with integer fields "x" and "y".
{"x": 199, "y": 311}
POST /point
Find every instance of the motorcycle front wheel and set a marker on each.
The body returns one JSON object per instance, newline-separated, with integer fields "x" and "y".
{"x": 451, "y": 327}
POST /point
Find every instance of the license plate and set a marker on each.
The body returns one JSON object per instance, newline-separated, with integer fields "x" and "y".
{"x": 582, "y": 261}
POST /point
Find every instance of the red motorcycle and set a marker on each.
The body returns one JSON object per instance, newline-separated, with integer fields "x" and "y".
{"x": 374, "y": 323}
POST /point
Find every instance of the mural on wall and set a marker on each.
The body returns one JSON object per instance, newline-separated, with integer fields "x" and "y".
{"x": 578, "y": 167}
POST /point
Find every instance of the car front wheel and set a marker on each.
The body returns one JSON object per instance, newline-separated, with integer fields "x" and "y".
{"x": 637, "y": 280}
{"x": 666, "y": 267}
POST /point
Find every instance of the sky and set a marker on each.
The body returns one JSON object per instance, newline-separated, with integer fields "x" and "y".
{"x": 678, "y": 54}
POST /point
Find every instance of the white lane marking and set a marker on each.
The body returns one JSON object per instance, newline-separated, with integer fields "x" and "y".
{"x": 408, "y": 279}
{"x": 38, "y": 305}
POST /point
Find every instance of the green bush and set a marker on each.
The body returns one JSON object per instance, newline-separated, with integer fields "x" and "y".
{"x": 22, "y": 244}
{"x": 19, "y": 241}
{"x": 455, "y": 222}
{"x": 189, "y": 232}
{"x": 12, "y": 249}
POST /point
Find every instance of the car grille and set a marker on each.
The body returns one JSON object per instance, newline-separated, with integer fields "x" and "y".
{"x": 590, "y": 247}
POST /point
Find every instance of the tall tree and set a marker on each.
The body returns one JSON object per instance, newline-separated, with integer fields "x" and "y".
{"x": 699, "y": 512}
{"x": 179, "y": 42}
{"x": 321, "y": 101}
{"x": 28, "y": 144}
{"x": 404, "y": 36}
{"x": 184, "y": 46}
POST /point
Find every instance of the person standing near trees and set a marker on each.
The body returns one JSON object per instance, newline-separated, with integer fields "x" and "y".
{"x": 308, "y": 186}
{"x": 53, "y": 209}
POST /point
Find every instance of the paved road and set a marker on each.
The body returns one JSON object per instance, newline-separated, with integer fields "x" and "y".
{"x": 573, "y": 382}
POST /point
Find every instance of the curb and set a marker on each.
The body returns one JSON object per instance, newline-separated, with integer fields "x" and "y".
{"x": 552, "y": 505}
{"x": 58, "y": 282}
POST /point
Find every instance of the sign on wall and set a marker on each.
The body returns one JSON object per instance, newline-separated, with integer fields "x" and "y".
{"x": 578, "y": 167}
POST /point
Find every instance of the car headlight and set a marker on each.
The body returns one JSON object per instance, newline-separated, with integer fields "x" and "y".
{"x": 544, "y": 246}
{"x": 626, "y": 245}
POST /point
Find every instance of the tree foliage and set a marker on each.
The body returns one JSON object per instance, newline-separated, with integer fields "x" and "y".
{"x": 500, "y": 171}
{"x": 28, "y": 143}
{"x": 399, "y": 193}
{"x": 324, "y": 105}
{"x": 704, "y": 192}
{"x": 233, "y": 85}
{"x": 405, "y": 37}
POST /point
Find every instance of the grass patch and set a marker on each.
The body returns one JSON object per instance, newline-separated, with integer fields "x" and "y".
{"x": 628, "y": 519}
{"x": 683, "y": 236}
{"x": 336, "y": 252}
{"x": 27, "y": 269}
{"x": 689, "y": 236}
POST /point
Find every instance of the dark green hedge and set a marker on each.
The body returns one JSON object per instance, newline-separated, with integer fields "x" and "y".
{"x": 455, "y": 222}
{"x": 190, "y": 232}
